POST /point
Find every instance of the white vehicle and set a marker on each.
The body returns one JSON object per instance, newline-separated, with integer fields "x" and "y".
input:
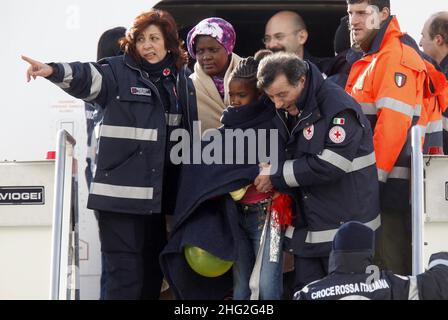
{"x": 68, "y": 30}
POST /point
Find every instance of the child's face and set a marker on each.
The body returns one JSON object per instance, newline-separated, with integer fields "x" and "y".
{"x": 241, "y": 93}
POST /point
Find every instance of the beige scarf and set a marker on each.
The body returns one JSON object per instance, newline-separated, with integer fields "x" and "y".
{"x": 209, "y": 101}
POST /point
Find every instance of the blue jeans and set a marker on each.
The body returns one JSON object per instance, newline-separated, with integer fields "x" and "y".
{"x": 251, "y": 221}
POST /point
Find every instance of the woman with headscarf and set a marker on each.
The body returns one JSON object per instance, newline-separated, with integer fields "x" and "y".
{"x": 211, "y": 43}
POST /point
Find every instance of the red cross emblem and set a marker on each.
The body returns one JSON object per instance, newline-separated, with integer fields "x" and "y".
{"x": 308, "y": 133}
{"x": 337, "y": 134}
{"x": 166, "y": 72}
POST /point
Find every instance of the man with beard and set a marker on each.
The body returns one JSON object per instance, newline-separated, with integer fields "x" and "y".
{"x": 286, "y": 31}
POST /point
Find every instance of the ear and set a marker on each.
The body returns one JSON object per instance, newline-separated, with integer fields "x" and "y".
{"x": 384, "y": 14}
{"x": 302, "y": 36}
{"x": 438, "y": 40}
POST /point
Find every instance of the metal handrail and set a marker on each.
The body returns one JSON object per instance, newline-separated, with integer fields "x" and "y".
{"x": 417, "y": 200}
{"x": 63, "y": 138}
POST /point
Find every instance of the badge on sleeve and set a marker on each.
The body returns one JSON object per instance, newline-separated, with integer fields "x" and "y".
{"x": 308, "y": 133}
{"x": 400, "y": 79}
{"x": 339, "y": 121}
{"x": 337, "y": 134}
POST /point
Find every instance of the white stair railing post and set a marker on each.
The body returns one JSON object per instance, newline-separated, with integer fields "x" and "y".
{"x": 61, "y": 212}
{"x": 417, "y": 200}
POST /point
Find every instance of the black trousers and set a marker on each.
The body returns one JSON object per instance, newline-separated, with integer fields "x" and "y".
{"x": 308, "y": 270}
{"x": 131, "y": 245}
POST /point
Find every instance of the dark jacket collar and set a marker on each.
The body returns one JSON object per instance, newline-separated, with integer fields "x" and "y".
{"x": 444, "y": 66}
{"x": 130, "y": 62}
{"x": 248, "y": 116}
{"x": 349, "y": 261}
{"x": 390, "y": 26}
{"x": 307, "y": 101}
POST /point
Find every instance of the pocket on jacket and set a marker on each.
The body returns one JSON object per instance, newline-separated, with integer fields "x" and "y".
{"x": 118, "y": 164}
{"x": 136, "y": 94}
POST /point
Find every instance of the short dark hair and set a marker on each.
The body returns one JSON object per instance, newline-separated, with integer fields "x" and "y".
{"x": 439, "y": 25}
{"x": 381, "y": 4}
{"x": 108, "y": 44}
{"x": 272, "y": 66}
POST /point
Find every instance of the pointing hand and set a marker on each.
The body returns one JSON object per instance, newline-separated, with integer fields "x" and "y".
{"x": 37, "y": 69}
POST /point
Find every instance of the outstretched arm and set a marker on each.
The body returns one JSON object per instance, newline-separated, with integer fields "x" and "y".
{"x": 37, "y": 69}
{"x": 87, "y": 81}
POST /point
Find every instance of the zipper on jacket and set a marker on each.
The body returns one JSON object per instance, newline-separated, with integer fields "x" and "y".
{"x": 303, "y": 119}
{"x": 286, "y": 127}
{"x": 149, "y": 83}
{"x": 163, "y": 108}
{"x": 188, "y": 101}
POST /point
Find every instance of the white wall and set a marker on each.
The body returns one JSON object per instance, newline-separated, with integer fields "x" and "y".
{"x": 47, "y": 30}
{"x": 413, "y": 14}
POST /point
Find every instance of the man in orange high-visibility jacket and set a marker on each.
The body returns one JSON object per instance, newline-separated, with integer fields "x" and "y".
{"x": 433, "y": 105}
{"x": 434, "y": 43}
{"x": 388, "y": 83}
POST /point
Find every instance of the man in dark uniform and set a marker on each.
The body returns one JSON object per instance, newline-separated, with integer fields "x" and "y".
{"x": 331, "y": 163}
{"x": 352, "y": 275}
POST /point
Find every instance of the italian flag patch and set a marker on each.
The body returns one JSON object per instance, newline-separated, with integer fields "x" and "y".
{"x": 339, "y": 121}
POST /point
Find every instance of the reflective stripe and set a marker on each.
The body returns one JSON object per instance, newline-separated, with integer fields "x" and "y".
{"x": 129, "y": 133}
{"x": 445, "y": 123}
{"x": 173, "y": 120}
{"x": 396, "y": 173}
{"x": 364, "y": 162}
{"x": 418, "y": 110}
{"x": 438, "y": 262}
{"x": 289, "y": 232}
{"x": 336, "y": 160}
{"x": 398, "y": 106}
{"x": 400, "y": 173}
{"x": 382, "y": 175}
{"x": 97, "y": 80}
{"x": 392, "y": 104}
{"x": 413, "y": 289}
{"x": 369, "y": 109}
{"x": 109, "y": 190}
{"x": 288, "y": 174}
{"x": 68, "y": 77}
{"x": 345, "y": 164}
{"x": 328, "y": 235}
{"x": 435, "y": 126}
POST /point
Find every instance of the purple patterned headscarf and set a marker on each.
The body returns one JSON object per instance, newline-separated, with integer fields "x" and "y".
{"x": 218, "y": 28}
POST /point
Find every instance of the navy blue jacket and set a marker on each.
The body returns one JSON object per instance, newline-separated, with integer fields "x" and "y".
{"x": 205, "y": 214}
{"x": 444, "y": 66}
{"x": 351, "y": 277}
{"x": 133, "y": 138}
{"x": 332, "y": 162}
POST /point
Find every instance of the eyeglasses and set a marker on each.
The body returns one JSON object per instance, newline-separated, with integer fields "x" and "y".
{"x": 278, "y": 36}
